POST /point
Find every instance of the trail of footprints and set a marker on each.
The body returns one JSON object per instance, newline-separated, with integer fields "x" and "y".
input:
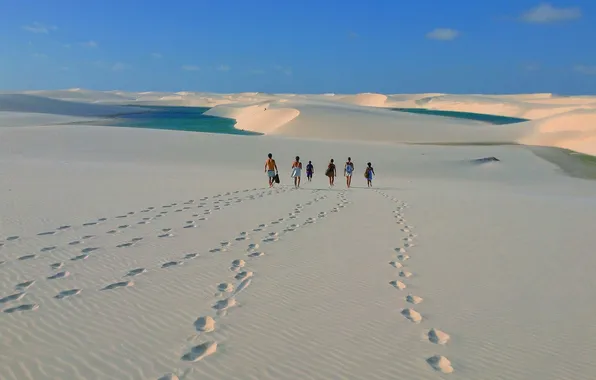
{"x": 242, "y": 277}
{"x": 218, "y": 202}
{"x": 437, "y": 362}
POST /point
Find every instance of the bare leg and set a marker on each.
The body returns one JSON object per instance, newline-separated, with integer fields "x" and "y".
{"x": 298, "y": 182}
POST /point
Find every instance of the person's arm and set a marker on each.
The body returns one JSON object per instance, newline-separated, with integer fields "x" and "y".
{"x": 265, "y": 166}
{"x": 275, "y": 164}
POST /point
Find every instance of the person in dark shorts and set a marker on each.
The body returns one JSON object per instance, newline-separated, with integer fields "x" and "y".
{"x": 368, "y": 174}
{"x": 310, "y": 169}
{"x": 331, "y": 173}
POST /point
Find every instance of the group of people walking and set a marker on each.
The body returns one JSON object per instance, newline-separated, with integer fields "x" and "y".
{"x": 330, "y": 172}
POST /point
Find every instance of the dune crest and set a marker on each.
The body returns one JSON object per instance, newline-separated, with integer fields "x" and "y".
{"x": 260, "y": 117}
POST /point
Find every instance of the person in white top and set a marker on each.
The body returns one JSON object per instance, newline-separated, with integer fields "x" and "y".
{"x": 296, "y": 171}
{"x": 348, "y": 170}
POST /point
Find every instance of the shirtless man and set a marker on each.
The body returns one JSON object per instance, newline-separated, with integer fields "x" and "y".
{"x": 270, "y": 169}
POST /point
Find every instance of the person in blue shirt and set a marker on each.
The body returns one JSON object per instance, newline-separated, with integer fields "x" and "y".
{"x": 310, "y": 169}
{"x": 348, "y": 170}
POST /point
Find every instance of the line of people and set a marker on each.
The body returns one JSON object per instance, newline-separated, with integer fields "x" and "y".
{"x": 330, "y": 172}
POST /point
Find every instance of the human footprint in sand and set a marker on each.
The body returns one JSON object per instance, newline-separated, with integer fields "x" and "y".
{"x": 296, "y": 171}
{"x": 270, "y": 169}
{"x": 331, "y": 172}
{"x": 348, "y": 170}
{"x": 368, "y": 174}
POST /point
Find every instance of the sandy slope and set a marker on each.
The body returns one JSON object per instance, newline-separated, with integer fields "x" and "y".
{"x": 555, "y": 121}
{"x": 499, "y": 253}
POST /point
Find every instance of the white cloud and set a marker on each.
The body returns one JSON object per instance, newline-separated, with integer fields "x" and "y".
{"x": 119, "y": 66}
{"x": 546, "y": 13}
{"x": 89, "y": 44}
{"x": 443, "y": 34}
{"x": 191, "y": 68}
{"x": 223, "y": 68}
{"x": 285, "y": 70}
{"x": 156, "y": 55}
{"x": 584, "y": 69}
{"x": 37, "y": 27}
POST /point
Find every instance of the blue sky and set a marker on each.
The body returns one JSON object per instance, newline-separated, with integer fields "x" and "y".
{"x": 307, "y": 46}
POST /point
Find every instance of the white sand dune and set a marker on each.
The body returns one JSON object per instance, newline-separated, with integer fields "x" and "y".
{"x": 556, "y": 121}
{"x": 147, "y": 254}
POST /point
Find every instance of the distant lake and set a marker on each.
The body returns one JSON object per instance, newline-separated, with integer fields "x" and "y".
{"x": 176, "y": 118}
{"x": 492, "y": 119}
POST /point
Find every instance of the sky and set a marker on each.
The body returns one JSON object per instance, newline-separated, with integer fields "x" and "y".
{"x": 306, "y": 46}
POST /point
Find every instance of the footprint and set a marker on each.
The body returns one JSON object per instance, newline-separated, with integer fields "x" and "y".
{"x": 24, "y": 285}
{"x": 27, "y": 307}
{"x": 252, "y": 246}
{"x": 223, "y": 305}
{"x": 46, "y": 233}
{"x": 200, "y": 352}
{"x": 273, "y": 234}
{"x": 237, "y": 264}
{"x": 440, "y": 363}
{"x": 26, "y": 257}
{"x": 102, "y": 219}
{"x": 12, "y": 238}
{"x": 56, "y": 265}
{"x": 190, "y": 226}
{"x": 398, "y": 284}
{"x": 123, "y": 226}
{"x": 409, "y": 245}
{"x": 189, "y": 256}
{"x": 205, "y": 324}
{"x": 438, "y": 336}
{"x": 135, "y": 272}
{"x": 242, "y": 238}
{"x": 225, "y": 244}
{"x": 165, "y": 235}
{"x": 270, "y": 240}
{"x": 171, "y": 264}
{"x": 79, "y": 257}
{"x": 243, "y": 285}
{"x": 76, "y": 242}
{"x": 62, "y": 228}
{"x": 243, "y": 275}
{"x": 12, "y": 297}
{"x": 87, "y": 237}
{"x": 405, "y": 274}
{"x": 225, "y": 287}
{"x": 59, "y": 275}
{"x": 395, "y": 264}
{"x": 68, "y": 293}
{"x": 47, "y": 249}
{"x": 89, "y": 249}
{"x": 121, "y": 216}
{"x": 111, "y": 232}
{"x": 256, "y": 254}
{"x": 121, "y": 284}
{"x": 216, "y": 250}
{"x": 414, "y": 299}
{"x": 137, "y": 239}
{"x": 125, "y": 245}
{"x": 403, "y": 257}
{"x": 412, "y": 315}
